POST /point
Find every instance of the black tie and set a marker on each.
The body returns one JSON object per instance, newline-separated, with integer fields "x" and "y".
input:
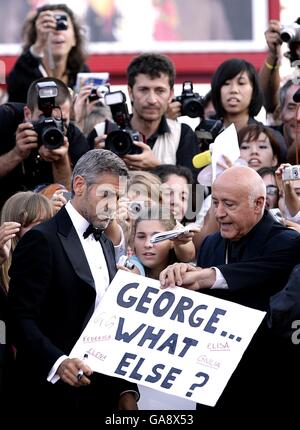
{"x": 96, "y": 231}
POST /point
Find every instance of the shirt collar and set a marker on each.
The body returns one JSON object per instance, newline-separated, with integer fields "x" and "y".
{"x": 79, "y": 222}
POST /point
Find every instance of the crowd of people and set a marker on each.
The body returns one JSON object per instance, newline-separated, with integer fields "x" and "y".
{"x": 72, "y": 209}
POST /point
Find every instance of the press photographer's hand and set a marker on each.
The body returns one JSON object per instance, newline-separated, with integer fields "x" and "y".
{"x": 26, "y": 140}
{"x": 145, "y": 160}
{"x": 58, "y": 154}
{"x": 44, "y": 25}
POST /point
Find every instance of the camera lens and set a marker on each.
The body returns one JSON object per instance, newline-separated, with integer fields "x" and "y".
{"x": 135, "y": 207}
{"x": 295, "y": 173}
{"x": 61, "y": 22}
{"x": 119, "y": 142}
{"x": 192, "y": 108}
{"x": 52, "y": 137}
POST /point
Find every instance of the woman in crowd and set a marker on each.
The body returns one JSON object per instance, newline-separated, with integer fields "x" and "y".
{"x": 259, "y": 147}
{"x": 237, "y": 96}
{"x": 53, "y": 46}
{"x": 19, "y": 214}
{"x": 236, "y": 93}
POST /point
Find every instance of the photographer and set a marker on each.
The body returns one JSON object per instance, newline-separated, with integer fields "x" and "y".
{"x": 269, "y": 73}
{"x": 53, "y": 46}
{"x": 150, "y": 86}
{"x": 25, "y": 161}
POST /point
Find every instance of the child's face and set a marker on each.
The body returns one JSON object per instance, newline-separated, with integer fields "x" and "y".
{"x": 151, "y": 255}
{"x": 176, "y": 194}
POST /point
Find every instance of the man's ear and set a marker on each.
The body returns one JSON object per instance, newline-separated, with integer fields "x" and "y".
{"x": 79, "y": 185}
{"x": 27, "y": 113}
{"x": 259, "y": 203}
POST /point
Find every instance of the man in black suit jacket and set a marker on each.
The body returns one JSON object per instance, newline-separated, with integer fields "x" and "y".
{"x": 58, "y": 274}
{"x": 246, "y": 262}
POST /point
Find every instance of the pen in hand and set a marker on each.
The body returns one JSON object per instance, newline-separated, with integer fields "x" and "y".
{"x": 80, "y": 373}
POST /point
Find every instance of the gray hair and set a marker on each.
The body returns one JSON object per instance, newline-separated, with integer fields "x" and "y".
{"x": 283, "y": 90}
{"x": 98, "y": 162}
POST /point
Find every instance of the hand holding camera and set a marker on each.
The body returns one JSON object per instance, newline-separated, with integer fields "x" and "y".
{"x": 55, "y": 155}
{"x": 121, "y": 136}
{"x": 191, "y": 103}
{"x": 47, "y": 22}
{"x": 50, "y": 130}
{"x": 273, "y": 39}
{"x": 26, "y": 140}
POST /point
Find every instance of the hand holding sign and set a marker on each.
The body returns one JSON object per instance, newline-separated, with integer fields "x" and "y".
{"x": 196, "y": 341}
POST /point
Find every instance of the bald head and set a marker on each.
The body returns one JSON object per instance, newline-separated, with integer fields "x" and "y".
{"x": 244, "y": 179}
{"x": 239, "y": 196}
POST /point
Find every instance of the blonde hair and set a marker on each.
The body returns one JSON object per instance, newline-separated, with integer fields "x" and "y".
{"x": 145, "y": 184}
{"x": 24, "y": 207}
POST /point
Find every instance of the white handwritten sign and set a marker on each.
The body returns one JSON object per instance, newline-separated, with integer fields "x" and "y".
{"x": 177, "y": 341}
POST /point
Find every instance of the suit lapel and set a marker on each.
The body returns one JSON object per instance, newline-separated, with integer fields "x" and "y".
{"x": 109, "y": 256}
{"x": 73, "y": 248}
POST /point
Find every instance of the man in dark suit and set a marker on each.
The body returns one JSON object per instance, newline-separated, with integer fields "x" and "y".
{"x": 58, "y": 274}
{"x": 247, "y": 261}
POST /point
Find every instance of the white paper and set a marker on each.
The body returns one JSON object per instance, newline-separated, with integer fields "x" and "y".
{"x": 226, "y": 143}
{"x": 173, "y": 340}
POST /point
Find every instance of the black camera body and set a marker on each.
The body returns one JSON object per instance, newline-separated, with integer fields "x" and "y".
{"x": 50, "y": 130}
{"x": 61, "y": 21}
{"x": 120, "y": 136}
{"x": 191, "y": 103}
{"x": 98, "y": 92}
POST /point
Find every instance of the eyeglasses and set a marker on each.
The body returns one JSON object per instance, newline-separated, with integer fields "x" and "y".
{"x": 272, "y": 190}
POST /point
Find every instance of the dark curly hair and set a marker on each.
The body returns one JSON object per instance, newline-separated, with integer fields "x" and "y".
{"x": 153, "y": 65}
{"x": 77, "y": 55}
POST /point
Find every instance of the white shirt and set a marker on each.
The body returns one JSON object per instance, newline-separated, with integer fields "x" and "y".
{"x": 97, "y": 263}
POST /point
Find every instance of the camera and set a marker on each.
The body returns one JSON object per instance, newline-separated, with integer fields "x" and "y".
{"x": 61, "y": 21}
{"x": 50, "y": 130}
{"x": 291, "y": 33}
{"x": 98, "y": 92}
{"x": 136, "y": 207}
{"x": 291, "y": 173}
{"x": 191, "y": 103}
{"x": 208, "y": 129}
{"x": 120, "y": 140}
